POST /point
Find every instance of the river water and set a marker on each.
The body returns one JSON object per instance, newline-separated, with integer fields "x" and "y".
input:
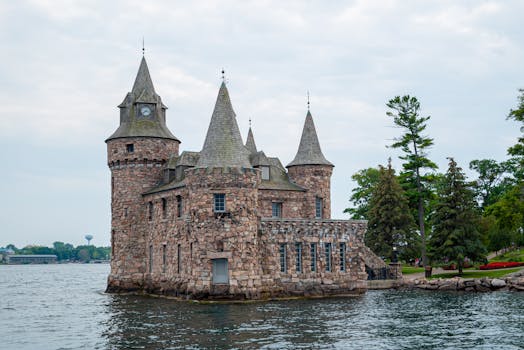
{"x": 64, "y": 307}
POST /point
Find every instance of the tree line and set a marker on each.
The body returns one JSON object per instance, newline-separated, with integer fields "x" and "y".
{"x": 66, "y": 251}
{"x": 440, "y": 217}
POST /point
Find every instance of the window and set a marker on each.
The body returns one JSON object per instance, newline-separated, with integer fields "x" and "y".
{"x": 298, "y": 257}
{"x": 220, "y": 271}
{"x": 178, "y": 257}
{"x": 342, "y": 252}
{"x": 276, "y": 209}
{"x": 130, "y": 148}
{"x": 313, "y": 253}
{"x": 283, "y": 258}
{"x": 150, "y": 258}
{"x": 112, "y": 185}
{"x": 318, "y": 207}
{"x": 164, "y": 208}
{"x": 150, "y": 211}
{"x": 220, "y": 203}
{"x": 164, "y": 258}
{"x": 327, "y": 249}
{"x": 179, "y": 206}
{"x": 126, "y": 212}
{"x": 265, "y": 172}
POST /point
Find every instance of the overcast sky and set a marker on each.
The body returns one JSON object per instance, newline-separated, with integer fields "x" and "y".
{"x": 66, "y": 65}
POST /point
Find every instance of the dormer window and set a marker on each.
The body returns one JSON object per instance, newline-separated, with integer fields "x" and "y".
{"x": 130, "y": 148}
{"x": 265, "y": 172}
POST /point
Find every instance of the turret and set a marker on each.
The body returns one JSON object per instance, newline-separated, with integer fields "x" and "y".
{"x": 223, "y": 196}
{"x": 137, "y": 152}
{"x": 311, "y": 170}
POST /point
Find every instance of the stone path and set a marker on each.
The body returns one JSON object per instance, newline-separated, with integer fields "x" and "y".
{"x": 438, "y": 270}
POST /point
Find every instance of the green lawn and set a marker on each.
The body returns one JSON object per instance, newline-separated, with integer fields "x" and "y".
{"x": 478, "y": 273}
{"x": 407, "y": 270}
{"x": 514, "y": 255}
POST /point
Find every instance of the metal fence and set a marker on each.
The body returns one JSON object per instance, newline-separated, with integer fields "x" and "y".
{"x": 382, "y": 273}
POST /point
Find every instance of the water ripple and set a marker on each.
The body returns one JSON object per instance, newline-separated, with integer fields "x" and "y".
{"x": 63, "y": 307}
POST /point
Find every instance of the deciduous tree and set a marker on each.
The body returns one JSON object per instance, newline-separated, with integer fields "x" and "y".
{"x": 366, "y": 181}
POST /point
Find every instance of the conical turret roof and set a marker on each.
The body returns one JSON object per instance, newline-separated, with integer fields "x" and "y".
{"x": 223, "y": 146}
{"x": 131, "y": 123}
{"x": 143, "y": 80}
{"x": 250, "y": 142}
{"x": 309, "y": 152}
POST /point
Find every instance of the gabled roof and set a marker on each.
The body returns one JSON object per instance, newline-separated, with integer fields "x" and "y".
{"x": 223, "y": 146}
{"x": 309, "y": 152}
{"x": 258, "y": 159}
{"x": 188, "y": 158}
{"x": 278, "y": 179}
{"x": 250, "y": 142}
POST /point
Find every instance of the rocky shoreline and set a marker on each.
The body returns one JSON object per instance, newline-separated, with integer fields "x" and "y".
{"x": 512, "y": 282}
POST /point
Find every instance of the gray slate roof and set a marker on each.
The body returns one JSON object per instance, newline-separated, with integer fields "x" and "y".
{"x": 143, "y": 92}
{"x": 187, "y": 158}
{"x": 258, "y": 159}
{"x": 279, "y": 179}
{"x": 309, "y": 152}
{"x": 250, "y": 142}
{"x": 223, "y": 146}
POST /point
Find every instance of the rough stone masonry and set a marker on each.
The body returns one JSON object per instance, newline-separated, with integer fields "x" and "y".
{"x": 227, "y": 222}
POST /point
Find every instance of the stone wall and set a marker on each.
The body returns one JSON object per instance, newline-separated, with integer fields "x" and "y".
{"x": 350, "y": 280}
{"x": 293, "y": 203}
{"x": 317, "y": 180}
{"x": 132, "y": 173}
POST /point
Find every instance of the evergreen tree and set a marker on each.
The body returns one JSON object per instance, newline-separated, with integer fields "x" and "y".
{"x": 415, "y": 147}
{"x": 366, "y": 181}
{"x": 390, "y": 222}
{"x": 455, "y": 221}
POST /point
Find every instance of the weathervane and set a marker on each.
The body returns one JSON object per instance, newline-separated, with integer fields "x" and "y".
{"x": 223, "y": 76}
{"x": 308, "y": 100}
{"x": 249, "y": 121}
{"x": 143, "y": 47}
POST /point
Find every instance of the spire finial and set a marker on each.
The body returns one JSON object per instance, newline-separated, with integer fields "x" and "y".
{"x": 143, "y": 47}
{"x": 223, "y": 76}
{"x": 308, "y": 100}
{"x": 249, "y": 121}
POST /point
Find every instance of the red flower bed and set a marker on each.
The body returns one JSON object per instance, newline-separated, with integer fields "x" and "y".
{"x": 500, "y": 265}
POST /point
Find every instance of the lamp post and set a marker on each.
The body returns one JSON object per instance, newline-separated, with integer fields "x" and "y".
{"x": 394, "y": 258}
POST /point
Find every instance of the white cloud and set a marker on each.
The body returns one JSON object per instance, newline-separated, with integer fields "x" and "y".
{"x": 68, "y": 64}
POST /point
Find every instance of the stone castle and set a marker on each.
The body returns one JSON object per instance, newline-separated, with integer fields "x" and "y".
{"x": 228, "y": 222}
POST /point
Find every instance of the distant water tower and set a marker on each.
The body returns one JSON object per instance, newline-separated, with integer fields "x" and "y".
{"x": 88, "y": 238}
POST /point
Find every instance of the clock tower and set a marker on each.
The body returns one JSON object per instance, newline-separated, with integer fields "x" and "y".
{"x": 137, "y": 153}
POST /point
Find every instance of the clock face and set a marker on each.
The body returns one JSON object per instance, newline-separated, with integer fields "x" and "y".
{"x": 145, "y": 111}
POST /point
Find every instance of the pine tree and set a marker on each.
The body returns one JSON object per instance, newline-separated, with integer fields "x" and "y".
{"x": 415, "y": 146}
{"x": 455, "y": 221}
{"x": 390, "y": 222}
